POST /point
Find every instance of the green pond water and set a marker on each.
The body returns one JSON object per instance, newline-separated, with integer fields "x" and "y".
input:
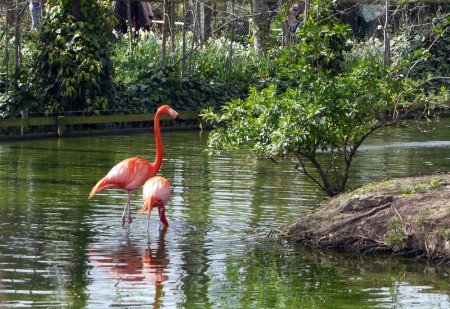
{"x": 60, "y": 249}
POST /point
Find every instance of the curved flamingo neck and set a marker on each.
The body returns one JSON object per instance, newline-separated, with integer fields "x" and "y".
{"x": 159, "y": 148}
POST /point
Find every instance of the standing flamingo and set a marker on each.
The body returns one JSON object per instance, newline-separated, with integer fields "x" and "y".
{"x": 156, "y": 193}
{"x": 132, "y": 173}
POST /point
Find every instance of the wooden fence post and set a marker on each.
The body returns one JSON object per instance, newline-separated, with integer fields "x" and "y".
{"x": 24, "y": 129}
{"x": 61, "y": 124}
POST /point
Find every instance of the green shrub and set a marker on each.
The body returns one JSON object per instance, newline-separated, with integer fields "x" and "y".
{"x": 395, "y": 233}
{"x": 319, "y": 110}
{"x": 149, "y": 92}
{"x": 73, "y": 67}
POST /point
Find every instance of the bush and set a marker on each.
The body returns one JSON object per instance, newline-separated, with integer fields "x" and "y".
{"x": 147, "y": 93}
{"x": 324, "y": 111}
{"x": 73, "y": 68}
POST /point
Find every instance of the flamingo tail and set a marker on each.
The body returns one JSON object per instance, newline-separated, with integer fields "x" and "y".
{"x": 103, "y": 183}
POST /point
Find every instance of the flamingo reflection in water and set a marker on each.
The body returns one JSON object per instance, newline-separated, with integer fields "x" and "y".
{"x": 131, "y": 264}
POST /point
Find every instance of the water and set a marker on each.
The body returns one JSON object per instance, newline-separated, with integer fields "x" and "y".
{"x": 59, "y": 249}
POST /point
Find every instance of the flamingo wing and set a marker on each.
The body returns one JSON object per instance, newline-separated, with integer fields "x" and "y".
{"x": 128, "y": 175}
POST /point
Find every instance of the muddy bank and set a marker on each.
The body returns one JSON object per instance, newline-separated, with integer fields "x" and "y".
{"x": 408, "y": 216}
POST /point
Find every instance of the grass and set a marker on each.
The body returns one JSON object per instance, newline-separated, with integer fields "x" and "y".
{"x": 433, "y": 184}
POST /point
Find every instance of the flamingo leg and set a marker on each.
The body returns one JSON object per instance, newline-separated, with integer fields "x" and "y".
{"x": 126, "y": 210}
{"x": 148, "y": 220}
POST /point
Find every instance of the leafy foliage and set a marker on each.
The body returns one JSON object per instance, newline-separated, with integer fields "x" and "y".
{"x": 319, "y": 126}
{"x": 426, "y": 49}
{"x": 72, "y": 70}
{"x": 320, "y": 51}
{"x": 148, "y": 92}
{"x": 22, "y": 94}
{"x": 323, "y": 112}
{"x": 396, "y": 234}
{"x": 146, "y": 85}
{"x": 73, "y": 65}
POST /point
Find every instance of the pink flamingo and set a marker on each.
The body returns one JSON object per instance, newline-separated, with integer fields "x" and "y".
{"x": 156, "y": 193}
{"x": 132, "y": 173}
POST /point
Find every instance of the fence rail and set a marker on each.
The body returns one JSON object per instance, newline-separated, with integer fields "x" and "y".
{"x": 58, "y": 124}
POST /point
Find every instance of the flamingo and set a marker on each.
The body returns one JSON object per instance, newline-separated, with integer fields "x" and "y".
{"x": 132, "y": 173}
{"x": 156, "y": 193}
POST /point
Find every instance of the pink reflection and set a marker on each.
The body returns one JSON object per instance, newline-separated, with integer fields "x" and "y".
{"x": 133, "y": 264}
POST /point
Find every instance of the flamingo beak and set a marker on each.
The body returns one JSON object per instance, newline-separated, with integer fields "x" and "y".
{"x": 173, "y": 113}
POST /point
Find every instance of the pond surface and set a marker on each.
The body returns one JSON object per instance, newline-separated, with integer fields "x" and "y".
{"x": 59, "y": 249}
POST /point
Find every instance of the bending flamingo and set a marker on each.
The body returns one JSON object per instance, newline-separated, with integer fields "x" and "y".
{"x": 156, "y": 193}
{"x": 132, "y": 173}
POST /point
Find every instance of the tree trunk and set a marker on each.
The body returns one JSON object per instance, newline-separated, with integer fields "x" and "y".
{"x": 165, "y": 32}
{"x": 260, "y": 25}
{"x": 183, "y": 52}
{"x": 16, "y": 45}
{"x": 195, "y": 19}
{"x": 76, "y": 9}
{"x": 7, "y": 53}
{"x": 230, "y": 51}
{"x": 130, "y": 28}
{"x": 387, "y": 48}
{"x": 172, "y": 26}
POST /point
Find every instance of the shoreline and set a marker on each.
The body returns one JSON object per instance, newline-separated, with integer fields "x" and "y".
{"x": 408, "y": 216}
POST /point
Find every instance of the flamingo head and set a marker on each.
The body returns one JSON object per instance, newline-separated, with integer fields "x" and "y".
{"x": 161, "y": 211}
{"x": 162, "y": 214}
{"x": 166, "y": 109}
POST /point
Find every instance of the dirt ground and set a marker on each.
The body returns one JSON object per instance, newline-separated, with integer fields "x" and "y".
{"x": 409, "y": 216}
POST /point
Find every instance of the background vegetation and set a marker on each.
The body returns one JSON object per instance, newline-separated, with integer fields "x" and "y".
{"x": 312, "y": 98}
{"x": 328, "y": 95}
{"x": 75, "y": 64}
